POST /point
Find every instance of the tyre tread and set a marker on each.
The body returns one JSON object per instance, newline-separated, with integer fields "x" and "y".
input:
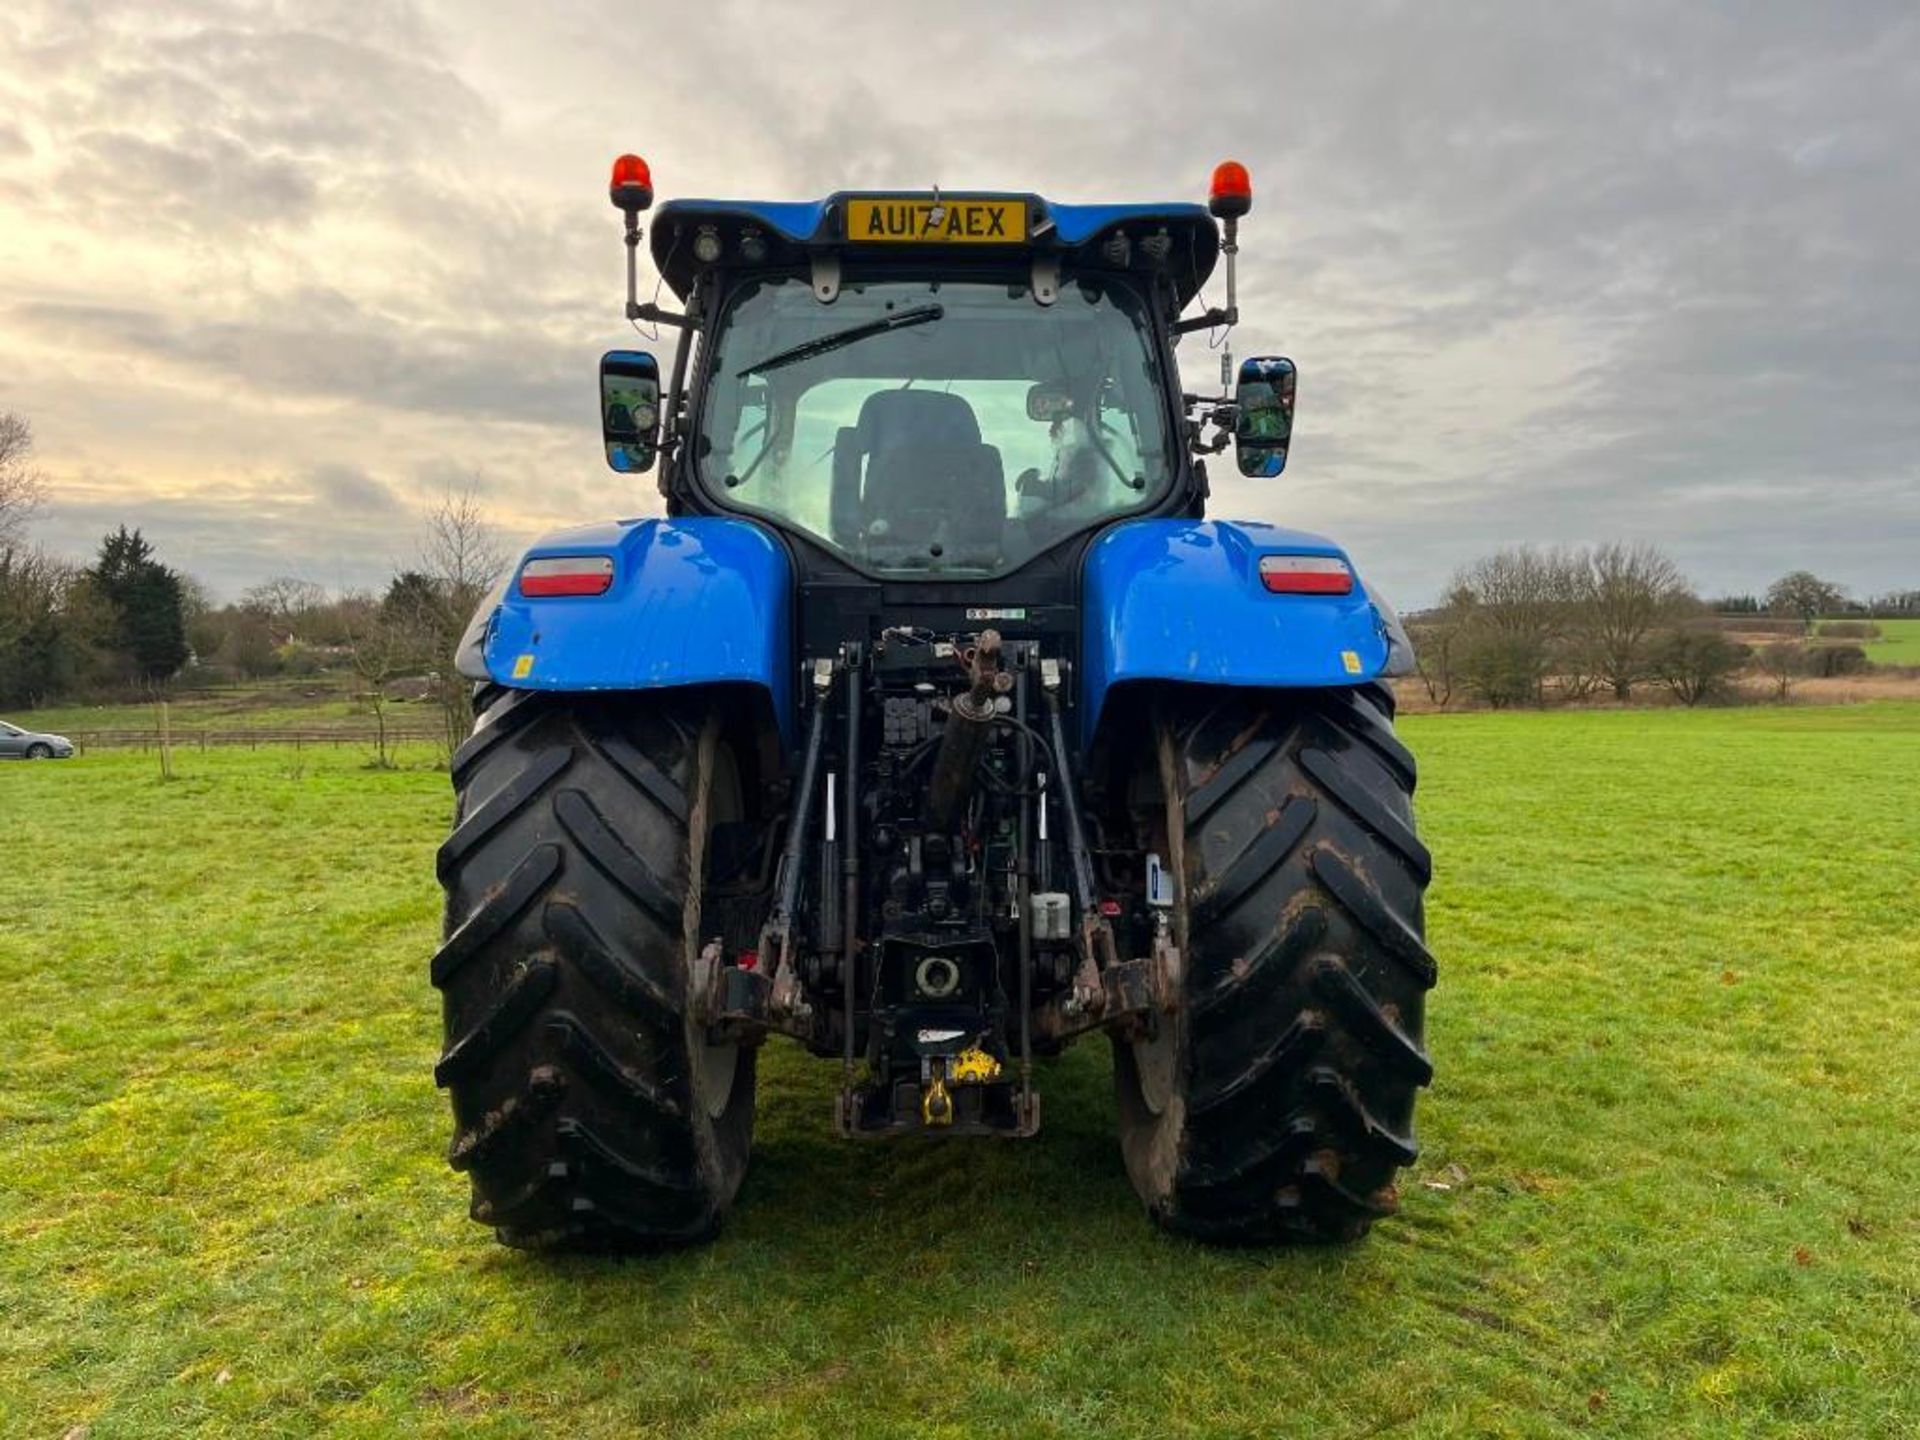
{"x": 1306, "y": 971}
{"x": 578, "y": 1115}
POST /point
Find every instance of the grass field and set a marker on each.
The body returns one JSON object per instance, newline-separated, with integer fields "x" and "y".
{"x": 1678, "y": 1036}
{"x": 1899, "y": 643}
{"x": 320, "y": 704}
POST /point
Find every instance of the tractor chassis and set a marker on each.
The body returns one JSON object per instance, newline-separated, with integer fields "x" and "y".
{"x": 745, "y": 998}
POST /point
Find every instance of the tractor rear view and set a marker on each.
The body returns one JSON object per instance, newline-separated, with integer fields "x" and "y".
{"x": 933, "y": 727}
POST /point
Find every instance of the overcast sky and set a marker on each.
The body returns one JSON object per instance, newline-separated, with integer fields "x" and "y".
{"x": 272, "y": 275}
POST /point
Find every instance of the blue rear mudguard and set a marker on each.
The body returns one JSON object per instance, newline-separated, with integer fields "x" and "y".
{"x": 699, "y": 600}
{"x": 1182, "y": 600}
{"x": 705, "y": 600}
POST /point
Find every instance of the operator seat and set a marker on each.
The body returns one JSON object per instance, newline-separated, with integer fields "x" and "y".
{"x": 927, "y": 477}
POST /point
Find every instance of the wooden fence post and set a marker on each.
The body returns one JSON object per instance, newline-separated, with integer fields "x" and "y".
{"x": 166, "y": 744}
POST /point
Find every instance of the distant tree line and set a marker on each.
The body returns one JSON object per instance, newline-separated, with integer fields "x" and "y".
{"x": 1830, "y": 599}
{"x": 126, "y": 625}
{"x": 117, "y": 625}
{"x": 1530, "y": 626}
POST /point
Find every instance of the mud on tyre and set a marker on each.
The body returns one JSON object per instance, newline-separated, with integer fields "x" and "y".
{"x": 1279, "y": 1103}
{"x": 587, "y": 1111}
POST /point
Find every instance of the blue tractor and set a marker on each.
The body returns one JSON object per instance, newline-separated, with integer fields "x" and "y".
{"x": 935, "y": 727}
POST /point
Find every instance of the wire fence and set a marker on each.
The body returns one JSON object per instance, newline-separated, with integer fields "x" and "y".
{"x": 251, "y": 737}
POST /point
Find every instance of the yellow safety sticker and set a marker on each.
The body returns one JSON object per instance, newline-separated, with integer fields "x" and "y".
{"x": 523, "y": 667}
{"x": 973, "y": 1066}
{"x": 1351, "y": 660}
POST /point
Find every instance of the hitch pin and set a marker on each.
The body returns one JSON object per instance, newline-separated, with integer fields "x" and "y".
{"x": 936, "y": 1106}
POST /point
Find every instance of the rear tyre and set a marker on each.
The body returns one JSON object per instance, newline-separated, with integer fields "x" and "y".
{"x": 588, "y": 1112}
{"x": 1278, "y": 1102}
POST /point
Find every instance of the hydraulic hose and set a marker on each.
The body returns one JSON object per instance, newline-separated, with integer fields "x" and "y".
{"x": 964, "y": 738}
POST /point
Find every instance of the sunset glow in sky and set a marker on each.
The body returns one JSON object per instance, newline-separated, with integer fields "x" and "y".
{"x": 274, "y": 274}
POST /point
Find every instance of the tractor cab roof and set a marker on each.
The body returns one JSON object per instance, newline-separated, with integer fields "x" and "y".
{"x": 1179, "y": 241}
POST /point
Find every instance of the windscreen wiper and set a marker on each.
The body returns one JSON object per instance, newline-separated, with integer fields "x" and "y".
{"x": 807, "y": 349}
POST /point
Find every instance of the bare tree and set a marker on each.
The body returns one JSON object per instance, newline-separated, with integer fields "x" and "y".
{"x": 1804, "y": 595}
{"x": 31, "y": 587}
{"x": 384, "y": 647}
{"x": 56, "y": 629}
{"x": 1783, "y": 664}
{"x": 1695, "y": 664}
{"x": 1515, "y": 609}
{"x": 462, "y": 548}
{"x": 22, "y": 491}
{"x": 287, "y": 602}
{"x": 462, "y": 557}
{"x": 1436, "y": 637}
{"x": 246, "y": 644}
{"x": 1626, "y": 595}
{"x": 1577, "y": 663}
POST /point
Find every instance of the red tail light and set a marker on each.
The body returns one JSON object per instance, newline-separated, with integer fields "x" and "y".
{"x": 1306, "y": 575}
{"x": 566, "y": 575}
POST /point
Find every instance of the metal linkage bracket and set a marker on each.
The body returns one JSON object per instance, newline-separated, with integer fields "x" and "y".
{"x": 787, "y": 1008}
{"x": 1127, "y": 998}
{"x": 826, "y": 276}
{"x": 1046, "y": 279}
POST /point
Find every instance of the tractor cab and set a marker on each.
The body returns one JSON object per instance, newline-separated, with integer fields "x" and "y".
{"x": 924, "y": 385}
{"x": 930, "y": 424}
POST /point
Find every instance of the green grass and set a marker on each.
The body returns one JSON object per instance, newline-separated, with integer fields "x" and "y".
{"x": 1678, "y": 1039}
{"x": 1899, "y": 643}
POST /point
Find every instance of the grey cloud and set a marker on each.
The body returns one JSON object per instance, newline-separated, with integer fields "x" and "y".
{"x": 361, "y": 81}
{"x": 348, "y": 491}
{"x": 336, "y": 351}
{"x": 208, "y": 174}
{"x": 218, "y": 124}
{"x": 1628, "y": 270}
{"x": 316, "y": 93}
{"x": 230, "y": 543}
{"x": 277, "y": 526}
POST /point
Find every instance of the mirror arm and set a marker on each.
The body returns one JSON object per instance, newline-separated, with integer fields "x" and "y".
{"x": 633, "y": 257}
{"x": 1205, "y": 320}
{"x": 1223, "y": 417}
{"x": 1230, "y": 247}
{"x": 1202, "y": 444}
{"x": 654, "y": 315}
{"x": 670, "y": 417}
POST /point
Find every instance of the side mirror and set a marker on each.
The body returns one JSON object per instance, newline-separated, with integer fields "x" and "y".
{"x": 630, "y": 409}
{"x": 1263, "y": 415}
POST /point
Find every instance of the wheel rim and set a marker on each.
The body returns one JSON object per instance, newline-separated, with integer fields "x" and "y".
{"x": 1156, "y": 1066}
{"x": 715, "y": 1067}
{"x": 1156, "y": 1061}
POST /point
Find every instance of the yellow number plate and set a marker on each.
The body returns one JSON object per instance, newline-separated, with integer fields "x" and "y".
{"x": 952, "y": 222}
